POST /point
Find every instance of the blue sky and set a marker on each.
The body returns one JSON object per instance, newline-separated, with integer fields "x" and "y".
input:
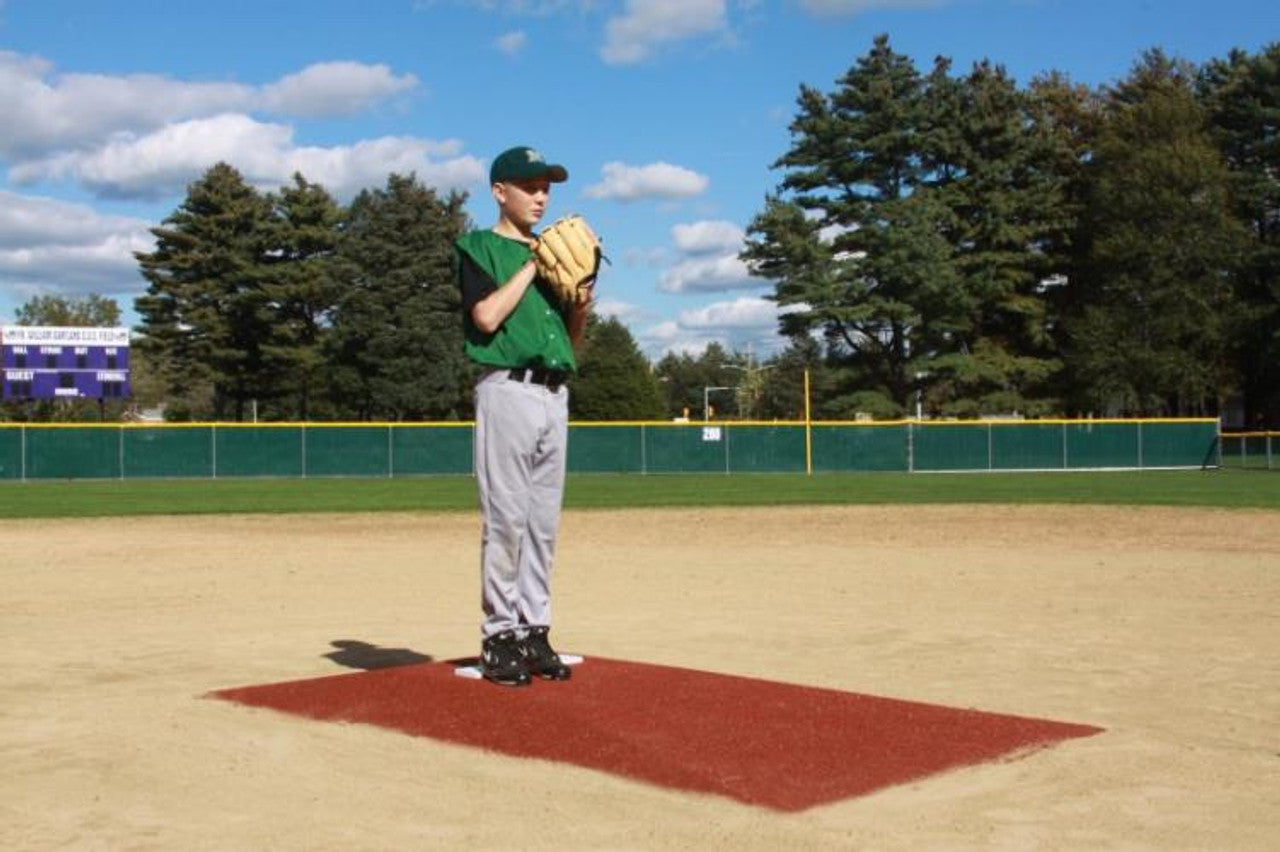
{"x": 667, "y": 113}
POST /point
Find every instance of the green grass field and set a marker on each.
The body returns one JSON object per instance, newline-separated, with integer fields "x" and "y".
{"x": 103, "y": 498}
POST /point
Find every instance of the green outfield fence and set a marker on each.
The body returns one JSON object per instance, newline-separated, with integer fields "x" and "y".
{"x": 1251, "y": 450}
{"x": 205, "y": 450}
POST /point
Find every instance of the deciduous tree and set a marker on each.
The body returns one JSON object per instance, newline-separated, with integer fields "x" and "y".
{"x": 91, "y": 310}
{"x": 1151, "y": 306}
{"x": 615, "y": 381}
{"x": 1242, "y": 96}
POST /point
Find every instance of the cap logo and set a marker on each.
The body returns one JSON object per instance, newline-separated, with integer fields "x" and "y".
{"x": 534, "y": 156}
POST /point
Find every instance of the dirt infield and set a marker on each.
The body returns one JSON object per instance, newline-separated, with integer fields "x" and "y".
{"x": 1158, "y": 625}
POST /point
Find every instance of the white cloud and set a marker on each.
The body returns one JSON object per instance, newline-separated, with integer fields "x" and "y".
{"x": 741, "y": 325}
{"x": 164, "y": 162}
{"x": 646, "y": 24}
{"x": 107, "y": 266}
{"x": 708, "y": 236}
{"x": 345, "y": 170}
{"x": 511, "y": 43}
{"x": 618, "y": 309}
{"x": 746, "y": 312}
{"x": 531, "y": 8}
{"x": 709, "y": 259}
{"x": 46, "y": 112}
{"x": 708, "y": 274}
{"x": 668, "y": 336}
{"x": 28, "y": 220}
{"x": 622, "y": 182}
{"x": 48, "y": 245}
{"x": 333, "y": 89}
{"x": 856, "y": 7}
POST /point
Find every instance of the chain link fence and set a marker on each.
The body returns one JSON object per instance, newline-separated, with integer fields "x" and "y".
{"x": 213, "y": 450}
{"x": 1251, "y": 450}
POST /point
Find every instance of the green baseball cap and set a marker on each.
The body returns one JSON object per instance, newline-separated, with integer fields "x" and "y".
{"x": 524, "y": 163}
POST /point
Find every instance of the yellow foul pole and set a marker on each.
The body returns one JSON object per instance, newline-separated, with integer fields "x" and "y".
{"x": 808, "y": 430}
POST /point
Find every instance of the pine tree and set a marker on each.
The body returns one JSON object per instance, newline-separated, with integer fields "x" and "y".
{"x": 206, "y": 316}
{"x": 396, "y": 346}
{"x": 298, "y": 277}
{"x": 849, "y": 239}
{"x": 996, "y": 177}
{"x": 1065, "y": 120}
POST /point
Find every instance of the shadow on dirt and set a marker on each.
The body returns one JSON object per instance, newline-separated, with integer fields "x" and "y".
{"x": 361, "y": 655}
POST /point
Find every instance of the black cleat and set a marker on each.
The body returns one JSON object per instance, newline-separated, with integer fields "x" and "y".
{"x": 502, "y": 660}
{"x": 541, "y": 659}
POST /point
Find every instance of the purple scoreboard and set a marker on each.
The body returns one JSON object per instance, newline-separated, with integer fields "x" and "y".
{"x": 48, "y": 362}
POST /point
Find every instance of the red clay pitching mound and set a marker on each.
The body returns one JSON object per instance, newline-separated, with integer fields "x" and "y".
{"x": 775, "y": 745}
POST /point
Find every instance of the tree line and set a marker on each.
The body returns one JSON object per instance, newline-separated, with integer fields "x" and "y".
{"x": 981, "y": 249}
{"x": 938, "y": 241}
{"x": 287, "y": 305}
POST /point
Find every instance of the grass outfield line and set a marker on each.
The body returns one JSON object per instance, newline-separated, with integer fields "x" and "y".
{"x": 111, "y": 498}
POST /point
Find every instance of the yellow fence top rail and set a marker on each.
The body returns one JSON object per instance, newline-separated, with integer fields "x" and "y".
{"x": 633, "y": 423}
{"x": 443, "y": 424}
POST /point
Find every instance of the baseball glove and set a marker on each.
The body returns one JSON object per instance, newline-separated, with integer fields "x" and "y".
{"x": 568, "y": 255}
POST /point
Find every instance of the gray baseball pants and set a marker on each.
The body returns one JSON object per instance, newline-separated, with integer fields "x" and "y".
{"x": 521, "y": 440}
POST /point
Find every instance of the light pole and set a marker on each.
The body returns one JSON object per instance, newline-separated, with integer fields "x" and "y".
{"x": 706, "y": 393}
{"x": 706, "y": 390}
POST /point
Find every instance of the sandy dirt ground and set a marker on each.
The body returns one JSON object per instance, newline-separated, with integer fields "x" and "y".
{"x": 1160, "y": 626}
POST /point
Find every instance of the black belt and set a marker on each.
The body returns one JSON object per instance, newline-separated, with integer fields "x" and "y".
{"x": 551, "y": 379}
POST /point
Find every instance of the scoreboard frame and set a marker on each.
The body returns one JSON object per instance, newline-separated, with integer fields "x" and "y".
{"x": 64, "y": 362}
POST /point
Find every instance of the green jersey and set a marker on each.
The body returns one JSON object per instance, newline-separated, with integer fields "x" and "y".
{"x": 536, "y": 333}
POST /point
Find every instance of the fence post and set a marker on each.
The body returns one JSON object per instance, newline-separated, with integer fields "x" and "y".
{"x": 644, "y": 449}
{"x": 1065, "y": 466}
{"x": 727, "y": 430}
{"x": 391, "y": 451}
{"x": 23, "y": 433}
{"x": 303, "y": 442}
{"x": 213, "y": 448}
{"x": 120, "y": 449}
{"x": 991, "y": 461}
{"x": 911, "y": 447}
{"x": 1140, "y": 464}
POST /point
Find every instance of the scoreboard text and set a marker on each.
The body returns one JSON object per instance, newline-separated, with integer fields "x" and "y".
{"x": 52, "y": 362}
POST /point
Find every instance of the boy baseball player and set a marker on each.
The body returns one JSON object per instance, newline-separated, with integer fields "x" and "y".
{"x": 524, "y": 340}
